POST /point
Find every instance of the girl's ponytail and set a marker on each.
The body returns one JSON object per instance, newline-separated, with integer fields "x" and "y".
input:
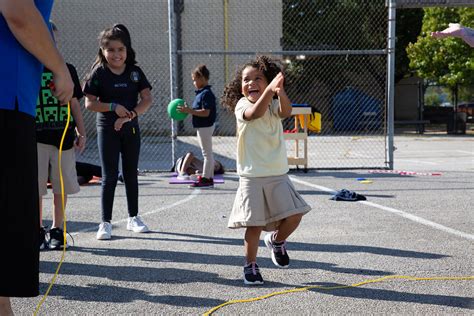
{"x": 124, "y": 30}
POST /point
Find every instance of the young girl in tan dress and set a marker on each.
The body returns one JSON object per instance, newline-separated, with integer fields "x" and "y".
{"x": 266, "y": 199}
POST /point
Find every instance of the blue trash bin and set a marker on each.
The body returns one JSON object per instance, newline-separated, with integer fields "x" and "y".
{"x": 345, "y": 110}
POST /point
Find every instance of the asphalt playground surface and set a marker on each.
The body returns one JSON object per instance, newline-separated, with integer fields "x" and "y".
{"x": 416, "y": 224}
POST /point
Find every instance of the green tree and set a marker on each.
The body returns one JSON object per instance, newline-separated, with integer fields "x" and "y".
{"x": 342, "y": 25}
{"x": 448, "y": 61}
{"x": 315, "y": 25}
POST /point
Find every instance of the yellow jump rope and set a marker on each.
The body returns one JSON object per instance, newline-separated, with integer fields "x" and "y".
{"x": 254, "y": 299}
{"x": 328, "y": 288}
{"x": 64, "y": 213}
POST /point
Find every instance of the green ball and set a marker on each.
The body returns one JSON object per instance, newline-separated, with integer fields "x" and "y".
{"x": 173, "y": 110}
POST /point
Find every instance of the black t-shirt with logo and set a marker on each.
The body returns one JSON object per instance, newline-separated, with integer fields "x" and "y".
{"x": 122, "y": 89}
{"x": 51, "y": 117}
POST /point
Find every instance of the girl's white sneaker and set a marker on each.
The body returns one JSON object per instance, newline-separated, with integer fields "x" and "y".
{"x": 136, "y": 225}
{"x": 105, "y": 231}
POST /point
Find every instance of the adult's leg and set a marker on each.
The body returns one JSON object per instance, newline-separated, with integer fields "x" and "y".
{"x": 130, "y": 155}
{"x": 43, "y": 172}
{"x": 109, "y": 150}
{"x": 251, "y": 241}
{"x": 204, "y": 135}
{"x": 19, "y": 206}
{"x": 40, "y": 205}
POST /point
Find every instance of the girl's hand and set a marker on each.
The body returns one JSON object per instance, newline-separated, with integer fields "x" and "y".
{"x": 119, "y": 123}
{"x": 184, "y": 109}
{"x": 133, "y": 114}
{"x": 280, "y": 90}
{"x": 277, "y": 84}
{"x": 80, "y": 143}
{"x": 122, "y": 111}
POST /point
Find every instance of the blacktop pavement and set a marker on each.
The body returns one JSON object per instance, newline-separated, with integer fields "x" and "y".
{"x": 417, "y": 224}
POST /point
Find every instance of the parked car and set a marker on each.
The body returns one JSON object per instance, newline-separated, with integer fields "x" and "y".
{"x": 467, "y": 108}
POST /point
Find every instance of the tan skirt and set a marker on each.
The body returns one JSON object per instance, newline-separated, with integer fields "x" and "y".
{"x": 265, "y": 201}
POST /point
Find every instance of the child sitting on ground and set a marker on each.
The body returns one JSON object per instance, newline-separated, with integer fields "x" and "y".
{"x": 190, "y": 167}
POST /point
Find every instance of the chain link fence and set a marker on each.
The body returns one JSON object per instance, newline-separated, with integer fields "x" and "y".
{"x": 334, "y": 51}
{"x": 79, "y": 23}
{"x": 433, "y": 3}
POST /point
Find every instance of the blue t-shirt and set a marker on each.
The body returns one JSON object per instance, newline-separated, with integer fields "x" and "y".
{"x": 20, "y": 71}
{"x": 205, "y": 100}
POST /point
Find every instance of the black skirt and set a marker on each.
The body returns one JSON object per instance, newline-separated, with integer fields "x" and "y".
{"x": 19, "y": 207}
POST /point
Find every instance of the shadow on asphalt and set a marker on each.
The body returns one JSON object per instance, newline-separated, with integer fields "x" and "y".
{"x": 299, "y": 246}
{"x": 394, "y": 296}
{"x": 117, "y": 294}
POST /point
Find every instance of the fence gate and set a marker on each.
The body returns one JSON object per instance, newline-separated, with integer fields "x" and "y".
{"x": 335, "y": 54}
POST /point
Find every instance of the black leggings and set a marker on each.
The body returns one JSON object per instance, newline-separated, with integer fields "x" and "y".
{"x": 111, "y": 144}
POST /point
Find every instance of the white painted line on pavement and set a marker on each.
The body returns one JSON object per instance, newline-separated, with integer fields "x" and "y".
{"x": 406, "y": 215}
{"x": 164, "y": 208}
{"x": 418, "y": 161}
{"x": 465, "y": 152}
{"x": 420, "y": 220}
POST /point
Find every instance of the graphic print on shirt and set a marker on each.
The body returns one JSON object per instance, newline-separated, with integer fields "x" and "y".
{"x": 50, "y": 115}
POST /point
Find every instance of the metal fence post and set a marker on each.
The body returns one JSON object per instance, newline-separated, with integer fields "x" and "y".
{"x": 173, "y": 72}
{"x": 390, "y": 80}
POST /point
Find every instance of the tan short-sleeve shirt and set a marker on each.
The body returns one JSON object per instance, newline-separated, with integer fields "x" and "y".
{"x": 261, "y": 149}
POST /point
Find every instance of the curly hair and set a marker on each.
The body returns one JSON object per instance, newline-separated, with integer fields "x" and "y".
{"x": 233, "y": 90}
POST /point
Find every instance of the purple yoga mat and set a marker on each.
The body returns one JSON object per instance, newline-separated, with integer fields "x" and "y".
{"x": 218, "y": 178}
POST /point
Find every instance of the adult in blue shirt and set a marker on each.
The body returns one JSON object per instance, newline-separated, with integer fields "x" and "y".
{"x": 26, "y": 45}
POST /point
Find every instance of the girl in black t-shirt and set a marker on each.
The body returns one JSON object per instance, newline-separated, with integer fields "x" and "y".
{"x": 112, "y": 89}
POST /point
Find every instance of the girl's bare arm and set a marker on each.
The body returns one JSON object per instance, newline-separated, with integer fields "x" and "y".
{"x": 146, "y": 100}
{"x": 261, "y": 106}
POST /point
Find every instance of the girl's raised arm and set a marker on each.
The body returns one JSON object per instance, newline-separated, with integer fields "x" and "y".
{"x": 285, "y": 103}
